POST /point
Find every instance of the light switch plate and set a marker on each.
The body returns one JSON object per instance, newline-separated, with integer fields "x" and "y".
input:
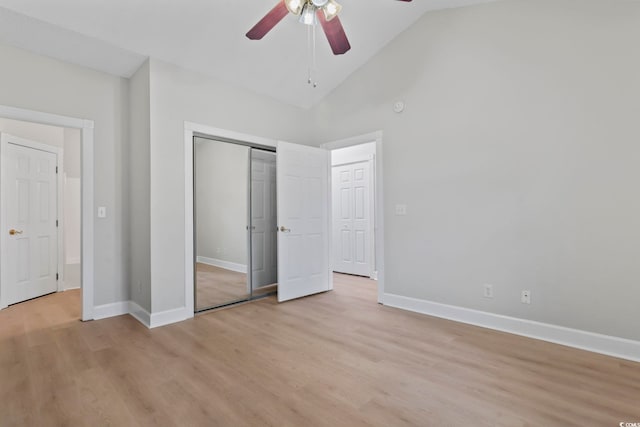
{"x": 102, "y": 212}
{"x": 401, "y": 209}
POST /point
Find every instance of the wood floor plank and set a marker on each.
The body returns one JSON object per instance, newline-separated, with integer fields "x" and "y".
{"x": 333, "y": 359}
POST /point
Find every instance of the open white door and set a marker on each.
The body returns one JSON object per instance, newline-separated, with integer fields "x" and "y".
{"x": 29, "y": 246}
{"x": 303, "y": 219}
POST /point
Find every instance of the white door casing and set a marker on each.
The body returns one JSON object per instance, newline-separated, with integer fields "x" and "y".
{"x": 87, "y": 158}
{"x": 263, "y": 219}
{"x": 29, "y": 235}
{"x": 352, "y": 207}
{"x": 303, "y": 218}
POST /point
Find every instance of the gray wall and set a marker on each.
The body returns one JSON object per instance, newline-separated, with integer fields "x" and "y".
{"x": 72, "y": 153}
{"x": 177, "y": 96}
{"x": 50, "y": 135}
{"x": 38, "y": 83}
{"x": 221, "y": 192}
{"x": 517, "y": 156}
{"x": 72, "y": 145}
{"x": 139, "y": 188}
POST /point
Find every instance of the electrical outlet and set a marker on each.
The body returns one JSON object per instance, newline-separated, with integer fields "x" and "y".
{"x": 525, "y": 298}
{"x": 488, "y": 291}
{"x": 401, "y": 210}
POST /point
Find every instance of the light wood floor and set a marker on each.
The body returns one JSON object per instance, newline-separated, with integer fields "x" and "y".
{"x": 335, "y": 359}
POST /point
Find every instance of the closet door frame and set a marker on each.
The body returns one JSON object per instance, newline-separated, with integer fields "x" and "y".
{"x": 193, "y": 130}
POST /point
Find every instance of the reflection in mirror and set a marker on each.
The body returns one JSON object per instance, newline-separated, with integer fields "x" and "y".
{"x": 264, "y": 273}
{"x": 221, "y": 195}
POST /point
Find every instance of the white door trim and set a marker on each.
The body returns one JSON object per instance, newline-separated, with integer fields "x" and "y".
{"x": 379, "y": 199}
{"x": 190, "y": 129}
{"x": 87, "y": 182}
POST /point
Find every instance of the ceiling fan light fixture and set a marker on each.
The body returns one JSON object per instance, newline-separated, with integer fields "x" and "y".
{"x": 331, "y": 9}
{"x": 308, "y": 15}
{"x": 319, "y": 3}
{"x": 294, "y": 6}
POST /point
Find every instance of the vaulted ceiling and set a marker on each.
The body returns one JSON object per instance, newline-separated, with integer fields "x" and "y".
{"x": 208, "y": 36}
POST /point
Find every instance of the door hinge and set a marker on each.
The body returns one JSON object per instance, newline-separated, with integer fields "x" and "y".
{"x": 56, "y": 222}
{"x": 57, "y": 276}
{"x": 56, "y": 169}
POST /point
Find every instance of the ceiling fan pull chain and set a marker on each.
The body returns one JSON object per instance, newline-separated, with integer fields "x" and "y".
{"x": 313, "y": 54}
{"x": 309, "y": 77}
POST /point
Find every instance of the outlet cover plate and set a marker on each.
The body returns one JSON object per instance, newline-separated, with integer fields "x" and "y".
{"x": 488, "y": 291}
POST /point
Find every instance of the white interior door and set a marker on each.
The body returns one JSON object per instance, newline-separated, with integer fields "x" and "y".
{"x": 303, "y": 218}
{"x": 352, "y": 218}
{"x": 263, "y": 219}
{"x": 28, "y": 221}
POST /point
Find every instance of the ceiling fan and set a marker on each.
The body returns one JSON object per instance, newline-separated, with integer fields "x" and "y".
{"x": 310, "y": 11}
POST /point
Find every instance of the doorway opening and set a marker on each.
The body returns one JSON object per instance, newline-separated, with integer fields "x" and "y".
{"x": 357, "y": 217}
{"x": 86, "y": 128}
{"x": 235, "y": 243}
{"x": 40, "y": 211}
{"x": 353, "y": 209}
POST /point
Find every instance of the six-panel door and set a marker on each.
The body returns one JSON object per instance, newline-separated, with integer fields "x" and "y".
{"x": 29, "y": 205}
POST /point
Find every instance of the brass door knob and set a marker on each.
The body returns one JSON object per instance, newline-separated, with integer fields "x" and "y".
{"x": 13, "y": 232}
{"x": 284, "y": 229}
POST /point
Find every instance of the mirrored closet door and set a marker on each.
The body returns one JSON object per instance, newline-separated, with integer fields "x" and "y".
{"x": 235, "y": 223}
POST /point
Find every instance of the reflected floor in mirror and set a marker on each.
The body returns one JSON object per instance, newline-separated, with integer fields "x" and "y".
{"x": 217, "y": 286}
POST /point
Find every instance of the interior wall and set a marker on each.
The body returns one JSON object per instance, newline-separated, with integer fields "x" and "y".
{"x": 517, "y": 157}
{"x": 50, "y": 135}
{"x": 180, "y": 95}
{"x": 221, "y": 199}
{"x": 39, "y": 83}
{"x": 140, "y": 99}
{"x": 72, "y": 144}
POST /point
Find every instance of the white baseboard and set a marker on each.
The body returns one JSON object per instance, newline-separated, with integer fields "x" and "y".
{"x": 140, "y": 314}
{"x": 227, "y": 265}
{"x": 110, "y": 310}
{"x": 152, "y": 320}
{"x": 64, "y": 288}
{"x": 170, "y": 316}
{"x": 598, "y": 343}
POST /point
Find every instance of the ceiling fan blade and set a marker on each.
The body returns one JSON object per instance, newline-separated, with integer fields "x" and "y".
{"x": 335, "y": 33}
{"x": 269, "y": 21}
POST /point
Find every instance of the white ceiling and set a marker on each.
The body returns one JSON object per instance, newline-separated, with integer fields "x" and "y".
{"x": 208, "y": 36}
